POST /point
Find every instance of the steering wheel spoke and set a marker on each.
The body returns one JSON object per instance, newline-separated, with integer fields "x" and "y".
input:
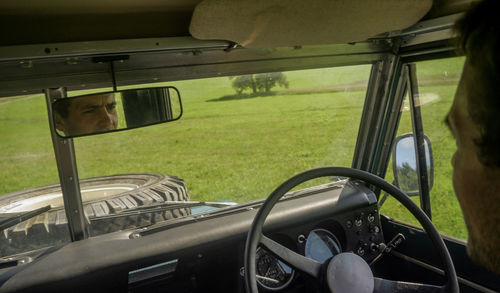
{"x": 384, "y": 285}
{"x": 300, "y": 262}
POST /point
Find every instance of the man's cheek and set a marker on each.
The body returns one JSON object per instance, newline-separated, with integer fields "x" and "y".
{"x": 460, "y": 177}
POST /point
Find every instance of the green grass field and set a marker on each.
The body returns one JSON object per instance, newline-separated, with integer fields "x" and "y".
{"x": 239, "y": 149}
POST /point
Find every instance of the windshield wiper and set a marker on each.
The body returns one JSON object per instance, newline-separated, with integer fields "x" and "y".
{"x": 16, "y": 218}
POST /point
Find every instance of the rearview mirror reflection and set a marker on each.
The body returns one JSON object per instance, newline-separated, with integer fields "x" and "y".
{"x": 114, "y": 111}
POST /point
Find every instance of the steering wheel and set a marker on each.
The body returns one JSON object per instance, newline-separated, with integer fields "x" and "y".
{"x": 346, "y": 272}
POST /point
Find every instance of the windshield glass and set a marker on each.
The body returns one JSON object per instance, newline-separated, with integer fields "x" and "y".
{"x": 236, "y": 142}
{"x": 239, "y": 138}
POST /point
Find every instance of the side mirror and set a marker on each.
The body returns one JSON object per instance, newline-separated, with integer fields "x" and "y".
{"x": 405, "y": 163}
{"x": 115, "y": 111}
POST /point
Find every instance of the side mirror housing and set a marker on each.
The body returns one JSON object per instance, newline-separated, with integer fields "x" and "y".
{"x": 404, "y": 162}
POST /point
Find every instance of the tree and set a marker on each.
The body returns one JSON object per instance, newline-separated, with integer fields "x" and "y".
{"x": 243, "y": 82}
{"x": 259, "y": 83}
{"x": 266, "y": 81}
{"x": 407, "y": 177}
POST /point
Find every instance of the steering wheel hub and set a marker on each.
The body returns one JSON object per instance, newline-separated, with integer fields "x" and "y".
{"x": 348, "y": 272}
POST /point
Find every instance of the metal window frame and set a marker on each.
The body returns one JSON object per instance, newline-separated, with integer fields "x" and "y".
{"x": 378, "y": 106}
{"x": 418, "y": 132}
{"x": 74, "y": 67}
{"x": 33, "y": 68}
{"x": 241, "y": 62}
{"x": 64, "y": 151}
{"x": 427, "y": 40}
{"x": 392, "y": 114}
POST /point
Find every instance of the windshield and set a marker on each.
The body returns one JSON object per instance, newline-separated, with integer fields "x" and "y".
{"x": 239, "y": 138}
{"x": 238, "y": 143}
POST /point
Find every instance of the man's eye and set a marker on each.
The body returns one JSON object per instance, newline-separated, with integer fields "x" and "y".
{"x": 88, "y": 111}
{"x": 111, "y": 106}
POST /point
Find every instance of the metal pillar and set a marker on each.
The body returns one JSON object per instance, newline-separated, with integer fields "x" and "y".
{"x": 377, "y": 96}
{"x": 418, "y": 133}
{"x": 68, "y": 175}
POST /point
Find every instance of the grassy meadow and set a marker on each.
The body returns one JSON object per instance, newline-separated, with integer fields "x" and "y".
{"x": 238, "y": 149}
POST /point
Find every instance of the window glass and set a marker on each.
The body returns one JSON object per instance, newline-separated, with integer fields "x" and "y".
{"x": 240, "y": 137}
{"x": 27, "y": 162}
{"x": 437, "y": 81}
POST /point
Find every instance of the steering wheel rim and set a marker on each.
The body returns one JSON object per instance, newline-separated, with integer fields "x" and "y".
{"x": 255, "y": 235}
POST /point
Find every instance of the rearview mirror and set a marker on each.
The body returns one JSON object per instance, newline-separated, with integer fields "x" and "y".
{"x": 405, "y": 164}
{"x": 115, "y": 111}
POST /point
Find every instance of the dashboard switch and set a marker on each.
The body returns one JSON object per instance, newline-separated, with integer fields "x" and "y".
{"x": 385, "y": 249}
{"x": 375, "y": 229}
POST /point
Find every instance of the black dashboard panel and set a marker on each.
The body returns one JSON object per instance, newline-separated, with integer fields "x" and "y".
{"x": 202, "y": 252}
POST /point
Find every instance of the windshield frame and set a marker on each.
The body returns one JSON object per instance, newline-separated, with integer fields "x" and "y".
{"x": 195, "y": 59}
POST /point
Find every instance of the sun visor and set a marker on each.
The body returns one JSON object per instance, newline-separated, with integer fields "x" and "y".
{"x": 275, "y": 23}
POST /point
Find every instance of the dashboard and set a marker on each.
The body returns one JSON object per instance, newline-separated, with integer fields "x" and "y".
{"x": 204, "y": 252}
{"x": 356, "y": 231}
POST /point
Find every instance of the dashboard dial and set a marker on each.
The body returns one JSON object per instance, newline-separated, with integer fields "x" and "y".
{"x": 272, "y": 273}
{"x": 321, "y": 245}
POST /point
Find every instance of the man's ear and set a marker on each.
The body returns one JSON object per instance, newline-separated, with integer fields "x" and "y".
{"x": 60, "y": 125}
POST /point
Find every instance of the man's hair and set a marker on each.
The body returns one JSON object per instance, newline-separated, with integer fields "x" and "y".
{"x": 479, "y": 40}
{"x": 61, "y": 107}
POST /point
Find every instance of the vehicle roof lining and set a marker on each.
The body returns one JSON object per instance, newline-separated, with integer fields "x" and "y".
{"x": 49, "y": 28}
{"x": 59, "y": 21}
{"x": 63, "y": 7}
{"x": 448, "y": 7}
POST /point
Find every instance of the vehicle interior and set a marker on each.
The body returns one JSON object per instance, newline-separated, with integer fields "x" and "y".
{"x": 349, "y": 222}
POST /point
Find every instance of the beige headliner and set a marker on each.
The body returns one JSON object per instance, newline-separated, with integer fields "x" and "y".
{"x": 54, "y": 21}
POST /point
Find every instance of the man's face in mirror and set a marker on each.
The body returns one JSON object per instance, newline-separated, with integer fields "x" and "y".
{"x": 86, "y": 115}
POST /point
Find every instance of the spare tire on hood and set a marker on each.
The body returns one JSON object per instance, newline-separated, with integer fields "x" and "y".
{"x": 111, "y": 203}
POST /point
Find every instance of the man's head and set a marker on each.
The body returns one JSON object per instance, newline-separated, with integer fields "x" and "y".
{"x": 474, "y": 120}
{"x": 85, "y": 115}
